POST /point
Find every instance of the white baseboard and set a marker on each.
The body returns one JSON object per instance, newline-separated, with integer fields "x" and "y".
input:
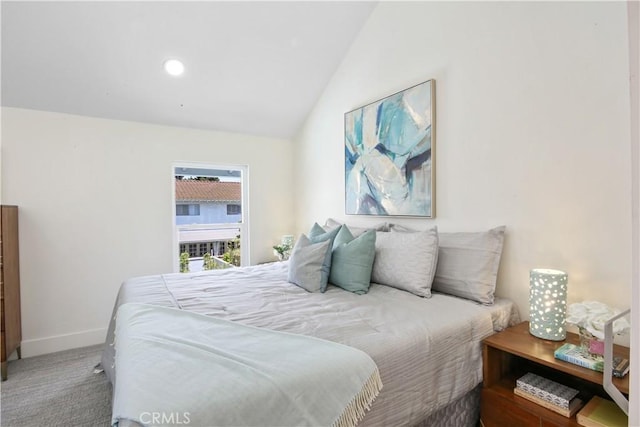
{"x": 38, "y": 346}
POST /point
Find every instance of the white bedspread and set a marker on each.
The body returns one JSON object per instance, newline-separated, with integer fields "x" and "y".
{"x": 178, "y": 365}
{"x": 428, "y": 350}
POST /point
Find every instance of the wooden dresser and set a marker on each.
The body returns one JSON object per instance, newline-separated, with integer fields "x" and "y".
{"x": 9, "y": 286}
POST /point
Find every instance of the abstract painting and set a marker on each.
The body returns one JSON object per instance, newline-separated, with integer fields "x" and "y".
{"x": 389, "y": 147}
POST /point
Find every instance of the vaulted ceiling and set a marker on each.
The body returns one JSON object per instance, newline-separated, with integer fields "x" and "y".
{"x": 251, "y": 67}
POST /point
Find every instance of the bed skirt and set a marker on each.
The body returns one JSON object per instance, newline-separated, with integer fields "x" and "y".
{"x": 464, "y": 412}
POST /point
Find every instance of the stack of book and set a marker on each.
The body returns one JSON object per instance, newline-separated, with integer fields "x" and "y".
{"x": 578, "y": 356}
{"x": 550, "y": 394}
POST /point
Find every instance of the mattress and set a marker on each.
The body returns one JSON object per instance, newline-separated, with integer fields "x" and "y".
{"x": 428, "y": 350}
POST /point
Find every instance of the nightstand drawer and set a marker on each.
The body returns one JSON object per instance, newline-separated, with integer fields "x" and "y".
{"x": 498, "y": 412}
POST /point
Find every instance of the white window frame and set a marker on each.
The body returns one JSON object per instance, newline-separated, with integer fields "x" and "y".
{"x": 243, "y": 225}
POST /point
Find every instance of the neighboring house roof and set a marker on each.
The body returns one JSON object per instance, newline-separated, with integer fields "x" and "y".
{"x": 207, "y": 191}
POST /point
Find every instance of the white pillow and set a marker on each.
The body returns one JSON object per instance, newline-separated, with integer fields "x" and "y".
{"x": 406, "y": 261}
{"x": 468, "y": 264}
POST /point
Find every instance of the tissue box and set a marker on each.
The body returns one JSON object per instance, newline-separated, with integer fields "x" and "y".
{"x": 551, "y": 391}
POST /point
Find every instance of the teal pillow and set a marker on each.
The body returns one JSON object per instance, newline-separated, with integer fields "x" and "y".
{"x": 306, "y": 264}
{"x": 317, "y": 234}
{"x": 352, "y": 260}
{"x": 344, "y": 235}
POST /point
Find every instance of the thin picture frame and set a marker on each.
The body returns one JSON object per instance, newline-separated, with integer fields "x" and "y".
{"x": 390, "y": 153}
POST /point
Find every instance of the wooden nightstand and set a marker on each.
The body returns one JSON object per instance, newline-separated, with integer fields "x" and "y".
{"x": 512, "y": 353}
{"x": 11, "y": 334}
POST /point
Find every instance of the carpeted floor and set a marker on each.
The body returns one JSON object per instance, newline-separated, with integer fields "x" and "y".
{"x": 58, "y": 389}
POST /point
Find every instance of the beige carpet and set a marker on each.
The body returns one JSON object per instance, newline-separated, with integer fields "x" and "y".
{"x": 58, "y": 389}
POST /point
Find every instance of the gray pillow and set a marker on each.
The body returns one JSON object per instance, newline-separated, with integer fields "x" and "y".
{"x": 306, "y": 264}
{"x": 406, "y": 261}
{"x": 331, "y": 224}
{"x": 468, "y": 264}
{"x": 352, "y": 260}
{"x": 401, "y": 228}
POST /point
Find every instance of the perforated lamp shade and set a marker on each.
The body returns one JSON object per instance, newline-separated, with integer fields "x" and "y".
{"x": 548, "y": 304}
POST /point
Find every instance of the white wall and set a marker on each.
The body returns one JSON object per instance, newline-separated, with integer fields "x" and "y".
{"x": 532, "y": 106}
{"x": 95, "y": 209}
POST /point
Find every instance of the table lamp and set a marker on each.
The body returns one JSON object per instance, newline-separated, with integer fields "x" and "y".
{"x": 548, "y": 303}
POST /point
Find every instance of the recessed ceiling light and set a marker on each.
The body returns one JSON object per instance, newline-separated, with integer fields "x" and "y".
{"x": 173, "y": 67}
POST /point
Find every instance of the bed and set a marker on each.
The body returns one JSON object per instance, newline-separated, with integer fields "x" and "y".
{"x": 427, "y": 350}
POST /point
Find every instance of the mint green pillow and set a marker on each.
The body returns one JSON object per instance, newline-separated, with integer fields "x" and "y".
{"x": 352, "y": 260}
{"x": 306, "y": 264}
{"x": 317, "y": 234}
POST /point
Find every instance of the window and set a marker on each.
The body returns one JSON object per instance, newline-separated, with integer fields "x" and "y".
{"x": 233, "y": 210}
{"x": 204, "y": 248}
{"x": 187, "y": 210}
{"x": 193, "y": 248}
{"x": 209, "y": 217}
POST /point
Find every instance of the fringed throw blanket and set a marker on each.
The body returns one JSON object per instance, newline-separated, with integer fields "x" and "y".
{"x": 181, "y": 368}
